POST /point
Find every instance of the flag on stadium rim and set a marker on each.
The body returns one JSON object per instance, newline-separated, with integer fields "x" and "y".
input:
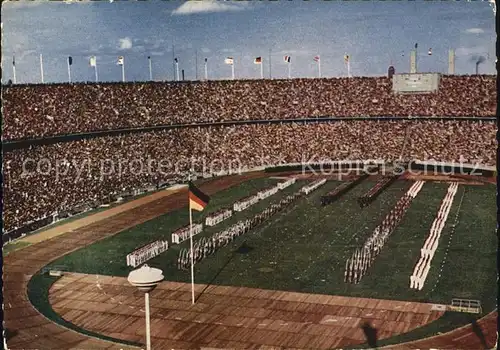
{"x": 346, "y": 58}
{"x": 120, "y": 60}
{"x": 70, "y": 60}
{"x": 229, "y": 60}
{"x": 430, "y": 52}
{"x": 93, "y": 61}
{"x": 257, "y": 60}
{"x": 13, "y": 60}
{"x": 287, "y": 59}
{"x": 316, "y": 58}
{"x": 197, "y": 199}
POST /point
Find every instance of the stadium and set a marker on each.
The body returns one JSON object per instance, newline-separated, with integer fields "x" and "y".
{"x": 340, "y": 213}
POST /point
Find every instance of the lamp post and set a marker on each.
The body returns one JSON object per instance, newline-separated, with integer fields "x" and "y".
{"x": 146, "y": 279}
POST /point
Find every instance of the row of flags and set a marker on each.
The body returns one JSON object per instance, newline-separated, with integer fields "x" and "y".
{"x": 228, "y": 60}
{"x": 287, "y": 59}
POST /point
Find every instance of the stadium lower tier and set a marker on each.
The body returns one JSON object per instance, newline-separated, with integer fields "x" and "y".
{"x": 43, "y": 180}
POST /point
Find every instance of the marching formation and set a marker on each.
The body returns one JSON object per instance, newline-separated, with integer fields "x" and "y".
{"x": 373, "y": 192}
{"x": 358, "y": 264}
{"x": 207, "y": 246}
{"x": 417, "y": 279}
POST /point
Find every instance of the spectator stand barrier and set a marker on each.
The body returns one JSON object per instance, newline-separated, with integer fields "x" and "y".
{"x": 218, "y": 217}
{"x": 421, "y": 270}
{"x": 183, "y": 233}
{"x": 147, "y": 252}
{"x": 340, "y": 190}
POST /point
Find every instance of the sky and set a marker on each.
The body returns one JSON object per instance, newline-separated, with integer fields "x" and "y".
{"x": 375, "y": 34}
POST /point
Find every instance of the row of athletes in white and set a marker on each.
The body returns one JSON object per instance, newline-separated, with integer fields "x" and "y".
{"x": 421, "y": 270}
{"x": 312, "y": 186}
{"x": 205, "y": 247}
{"x": 362, "y": 259}
{"x": 247, "y": 202}
{"x": 147, "y": 252}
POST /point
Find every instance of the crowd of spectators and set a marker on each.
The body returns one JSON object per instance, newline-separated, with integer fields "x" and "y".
{"x": 41, "y": 180}
{"x": 34, "y": 111}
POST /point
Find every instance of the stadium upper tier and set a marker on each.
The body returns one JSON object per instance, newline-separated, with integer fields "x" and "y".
{"x": 42, "y": 180}
{"x": 34, "y": 111}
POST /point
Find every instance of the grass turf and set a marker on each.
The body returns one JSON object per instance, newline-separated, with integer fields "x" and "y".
{"x": 304, "y": 247}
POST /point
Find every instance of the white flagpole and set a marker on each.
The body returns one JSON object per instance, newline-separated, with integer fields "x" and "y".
{"x": 150, "y": 69}
{"x": 41, "y": 67}
{"x": 289, "y": 70}
{"x": 206, "y": 69}
{"x": 95, "y": 70}
{"x": 69, "y": 72}
{"x": 261, "y": 70}
{"x": 14, "y": 69}
{"x": 191, "y": 243}
{"x": 349, "y": 68}
{"x": 232, "y": 70}
{"x": 123, "y": 70}
{"x": 319, "y": 67}
{"x": 177, "y": 70}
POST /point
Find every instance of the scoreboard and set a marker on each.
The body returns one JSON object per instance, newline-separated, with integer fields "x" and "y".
{"x": 415, "y": 83}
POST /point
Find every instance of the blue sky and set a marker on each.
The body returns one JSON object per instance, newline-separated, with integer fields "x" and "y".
{"x": 373, "y": 33}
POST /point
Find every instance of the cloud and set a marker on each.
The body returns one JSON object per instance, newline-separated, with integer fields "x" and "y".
{"x": 125, "y": 43}
{"x": 207, "y": 6}
{"x": 467, "y": 51}
{"x": 474, "y": 31}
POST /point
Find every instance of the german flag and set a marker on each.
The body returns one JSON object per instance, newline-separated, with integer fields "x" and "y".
{"x": 197, "y": 199}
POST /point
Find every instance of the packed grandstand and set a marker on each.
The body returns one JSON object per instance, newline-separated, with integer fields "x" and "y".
{"x": 43, "y": 180}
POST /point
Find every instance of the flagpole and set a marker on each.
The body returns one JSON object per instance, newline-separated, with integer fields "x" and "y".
{"x": 319, "y": 67}
{"x": 95, "y": 70}
{"x": 41, "y": 67}
{"x": 232, "y": 70}
{"x": 173, "y": 59}
{"x": 150, "y": 69}
{"x": 261, "y": 70}
{"x": 14, "y": 69}
{"x": 349, "y": 68}
{"x": 289, "y": 70}
{"x": 191, "y": 244}
{"x": 123, "y": 70}
{"x": 177, "y": 70}
{"x": 206, "y": 69}
{"x": 196, "y": 63}
{"x": 270, "y": 72}
{"x": 69, "y": 72}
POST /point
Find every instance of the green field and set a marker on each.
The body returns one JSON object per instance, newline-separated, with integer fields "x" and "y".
{"x": 304, "y": 247}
